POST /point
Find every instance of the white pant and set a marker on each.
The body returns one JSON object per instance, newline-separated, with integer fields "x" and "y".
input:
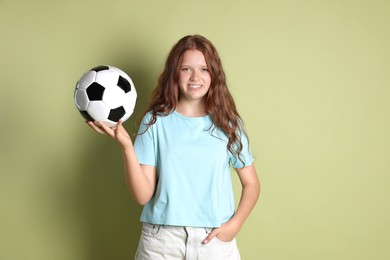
{"x": 184, "y": 243}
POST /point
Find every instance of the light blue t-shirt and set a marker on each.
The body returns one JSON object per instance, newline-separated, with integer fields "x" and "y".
{"x": 194, "y": 185}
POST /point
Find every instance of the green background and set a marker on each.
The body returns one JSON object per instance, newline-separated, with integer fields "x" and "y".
{"x": 311, "y": 79}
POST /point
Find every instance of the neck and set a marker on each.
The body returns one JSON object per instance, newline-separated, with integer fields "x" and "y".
{"x": 193, "y": 109}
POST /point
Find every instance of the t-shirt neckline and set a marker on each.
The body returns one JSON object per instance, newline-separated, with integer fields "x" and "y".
{"x": 189, "y": 117}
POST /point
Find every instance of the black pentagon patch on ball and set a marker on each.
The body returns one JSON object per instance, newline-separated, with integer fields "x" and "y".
{"x": 86, "y": 116}
{"x": 95, "y": 91}
{"x": 116, "y": 114}
{"x": 100, "y": 68}
{"x": 124, "y": 84}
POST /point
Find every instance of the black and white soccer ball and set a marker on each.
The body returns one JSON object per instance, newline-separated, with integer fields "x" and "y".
{"x": 105, "y": 93}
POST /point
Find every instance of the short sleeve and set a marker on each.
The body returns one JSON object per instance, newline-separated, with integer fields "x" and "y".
{"x": 145, "y": 143}
{"x": 245, "y": 157}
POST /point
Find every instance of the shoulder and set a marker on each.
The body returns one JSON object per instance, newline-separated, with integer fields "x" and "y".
{"x": 241, "y": 129}
{"x": 151, "y": 120}
{"x": 146, "y": 118}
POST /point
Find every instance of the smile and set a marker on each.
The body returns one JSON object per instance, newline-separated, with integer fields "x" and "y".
{"x": 195, "y": 86}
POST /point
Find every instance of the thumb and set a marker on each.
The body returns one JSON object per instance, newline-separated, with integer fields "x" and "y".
{"x": 119, "y": 124}
{"x": 210, "y": 236}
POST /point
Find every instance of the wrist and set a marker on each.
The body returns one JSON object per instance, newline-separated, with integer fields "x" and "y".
{"x": 126, "y": 148}
{"x": 235, "y": 223}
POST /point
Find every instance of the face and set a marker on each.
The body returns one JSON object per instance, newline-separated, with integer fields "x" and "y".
{"x": 194, "y": 77}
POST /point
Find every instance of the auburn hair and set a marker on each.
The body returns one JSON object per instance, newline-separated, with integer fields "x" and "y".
{"x": 219, "y": 102}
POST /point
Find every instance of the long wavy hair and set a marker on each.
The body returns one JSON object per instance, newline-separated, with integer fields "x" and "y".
{"x": 219, "y": 102}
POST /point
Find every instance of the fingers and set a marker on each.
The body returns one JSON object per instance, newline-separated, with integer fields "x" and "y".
{"x": 95, "y": 127}
{"x": 211, "y": 236}
{"x": 107, "y": 130}
{"x": 117, "y": 132}
{"x": 118, "y": 126}
{"x": 101, "y": 128}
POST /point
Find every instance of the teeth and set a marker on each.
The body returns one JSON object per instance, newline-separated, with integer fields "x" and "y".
{"x": 195, "y": 86}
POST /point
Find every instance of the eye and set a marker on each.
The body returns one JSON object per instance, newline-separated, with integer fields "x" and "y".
{"x": 185, "y": 69}
{"x": 205, "y": 69}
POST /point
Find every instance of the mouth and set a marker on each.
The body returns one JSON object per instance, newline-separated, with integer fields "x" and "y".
{"x": 194, "y": 86}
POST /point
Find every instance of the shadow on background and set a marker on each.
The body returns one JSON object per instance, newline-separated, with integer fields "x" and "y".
{"x": 111, "y": 216}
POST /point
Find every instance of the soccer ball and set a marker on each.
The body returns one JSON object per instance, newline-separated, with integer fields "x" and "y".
{"x": 105, "y": 93}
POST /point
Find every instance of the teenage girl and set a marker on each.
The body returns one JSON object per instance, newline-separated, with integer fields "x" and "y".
{"x": 179, "y": 165}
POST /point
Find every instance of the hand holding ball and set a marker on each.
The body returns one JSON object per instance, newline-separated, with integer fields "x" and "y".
{"x": 107, "y": 94}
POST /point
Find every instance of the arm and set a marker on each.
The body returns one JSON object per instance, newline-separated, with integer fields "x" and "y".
{"x": 141, "y": 179}
{"x": 249, "y": 195}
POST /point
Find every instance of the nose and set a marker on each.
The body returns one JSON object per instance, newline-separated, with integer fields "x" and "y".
{"x": 194, "y": 75}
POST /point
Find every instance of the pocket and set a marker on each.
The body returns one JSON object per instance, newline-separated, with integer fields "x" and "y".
{"x": 209, "y": 230}
{"x": 150, "y": 230}
{"x": 224, "y": 242}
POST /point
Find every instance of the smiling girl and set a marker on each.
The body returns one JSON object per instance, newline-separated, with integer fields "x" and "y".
{"x": 179, "y": 166}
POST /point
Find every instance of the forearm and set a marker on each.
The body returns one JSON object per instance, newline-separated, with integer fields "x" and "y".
{"x": 140, "y": 179}
{"x": 249, "y": 196}
{"x": 139, "y": 182}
